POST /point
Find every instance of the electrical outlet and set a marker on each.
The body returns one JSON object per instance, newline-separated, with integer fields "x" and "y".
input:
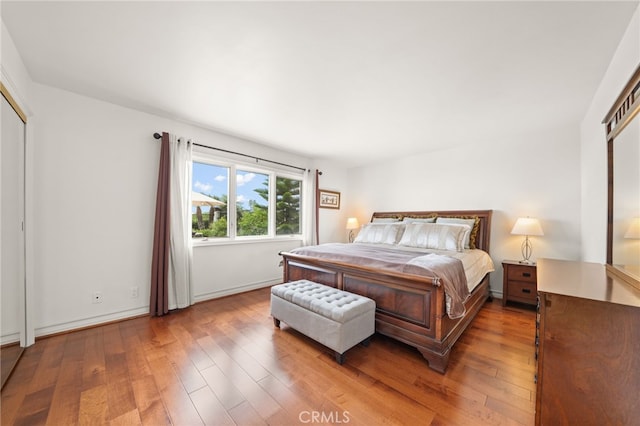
{"x": 134, "y": 292}
{"x": 96, "y": 297}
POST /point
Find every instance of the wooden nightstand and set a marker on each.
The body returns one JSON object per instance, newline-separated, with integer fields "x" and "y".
{"x": 519, "y": 282}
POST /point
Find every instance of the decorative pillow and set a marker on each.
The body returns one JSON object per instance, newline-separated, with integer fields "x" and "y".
{"x": 380, "y": 233}
{"x": 434, "y": 236}
{"x": 408, "y": 219}
{"x": 385, "y": 220}
{"x": 473, "y": 222}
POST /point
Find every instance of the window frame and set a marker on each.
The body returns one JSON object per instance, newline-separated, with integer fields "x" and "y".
{"x": 273, "y": 173}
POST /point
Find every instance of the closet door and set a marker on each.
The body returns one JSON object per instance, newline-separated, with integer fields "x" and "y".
{"x": 12, "y": 248}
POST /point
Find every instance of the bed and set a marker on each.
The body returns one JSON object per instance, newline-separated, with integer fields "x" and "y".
{"x": 416, "y": 303}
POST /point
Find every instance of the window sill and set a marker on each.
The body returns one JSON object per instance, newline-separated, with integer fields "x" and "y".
{"x": 247, "y": 240}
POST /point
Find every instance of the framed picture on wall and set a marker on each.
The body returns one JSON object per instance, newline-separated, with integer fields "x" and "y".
{"x": 329, "y": 199}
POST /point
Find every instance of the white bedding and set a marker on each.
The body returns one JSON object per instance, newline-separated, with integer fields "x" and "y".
{"x": 477, "y": 263}
{"x": 470, "y": 265}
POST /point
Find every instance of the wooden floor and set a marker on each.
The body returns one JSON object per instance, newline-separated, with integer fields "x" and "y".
{"x": 222, "y": 362}
{"x": 9, "y": 356}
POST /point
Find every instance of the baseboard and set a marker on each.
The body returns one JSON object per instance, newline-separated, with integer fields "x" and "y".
{"x": 90, "y": 322}
{"x": 235, "y": 290}
{"x": 132, "y": 313}
{"x": 10, "y": 338}
{"x": 495, "y": 294}
{"x": 123, "y": 315}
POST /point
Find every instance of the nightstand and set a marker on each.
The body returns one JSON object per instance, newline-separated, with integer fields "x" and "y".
{"x": 519, "y": 282}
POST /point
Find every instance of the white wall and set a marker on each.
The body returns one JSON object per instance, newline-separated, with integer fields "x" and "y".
{"x": 95, "y": 180}
{"x": 333, "y": 221}
{"x": 594, "y": 146}
{"x": 534, "y": 174}
{"x": 14, "y": 73}
{"x": 233, "y": 268}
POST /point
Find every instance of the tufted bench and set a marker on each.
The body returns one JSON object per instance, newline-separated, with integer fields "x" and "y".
{"x": 335, "y": 318}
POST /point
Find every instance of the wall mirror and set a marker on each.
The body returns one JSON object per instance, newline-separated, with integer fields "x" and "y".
{"x": 622, "y": 125}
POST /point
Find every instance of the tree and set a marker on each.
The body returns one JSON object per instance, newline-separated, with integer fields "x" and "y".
{"x": 218, "y": 217}
{"x": 199, "y": 217}
{"x": 287, "y": 206}
{"x": 223, "y": 209}
{"x": 219, "y": 228}
{"x": 253, "y": 222}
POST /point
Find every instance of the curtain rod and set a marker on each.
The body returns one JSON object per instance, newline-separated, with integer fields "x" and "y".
{"x": 159, "y": 136}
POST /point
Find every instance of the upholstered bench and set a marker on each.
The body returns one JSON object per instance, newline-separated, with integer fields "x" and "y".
{"x": 335, "y": 318}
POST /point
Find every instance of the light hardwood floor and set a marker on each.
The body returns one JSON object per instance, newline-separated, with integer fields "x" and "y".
{"x": 222, "y": 362}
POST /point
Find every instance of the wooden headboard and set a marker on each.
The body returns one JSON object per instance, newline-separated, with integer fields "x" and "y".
{"x": 484, "y": 231}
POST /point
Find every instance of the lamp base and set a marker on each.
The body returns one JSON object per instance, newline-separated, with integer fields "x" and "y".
{"x": 527, "y": 250}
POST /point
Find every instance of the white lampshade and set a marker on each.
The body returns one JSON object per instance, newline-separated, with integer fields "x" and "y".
{"x": 352, "y": 223}
{"x": 527, "y": 226}
{"x": 634, "y": 229}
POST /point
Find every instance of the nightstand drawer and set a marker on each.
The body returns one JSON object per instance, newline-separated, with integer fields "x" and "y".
{"x": 521, "y": 291}
{"x": 522, "y": 273}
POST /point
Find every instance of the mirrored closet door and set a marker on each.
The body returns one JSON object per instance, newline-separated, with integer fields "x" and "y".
{"x": 12, "y": 248}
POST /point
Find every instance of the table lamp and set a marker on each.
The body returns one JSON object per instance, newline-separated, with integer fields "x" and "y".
{"x": 527, "y": 226}
{"x": 352, "y": 223}
{"x": 634, "y": 229}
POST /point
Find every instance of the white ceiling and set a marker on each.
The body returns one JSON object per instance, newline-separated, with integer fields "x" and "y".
{"x": 357, "y": 81}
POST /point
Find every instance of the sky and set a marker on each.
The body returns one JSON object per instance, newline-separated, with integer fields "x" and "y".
{"x": 213, "y": 181}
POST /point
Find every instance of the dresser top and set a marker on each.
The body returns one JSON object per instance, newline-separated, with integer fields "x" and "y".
{"x": 584, "y": 280}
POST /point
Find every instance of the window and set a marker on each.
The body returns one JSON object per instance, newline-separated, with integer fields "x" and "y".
{"x": 288, "y": 205}
{"x": 252, "y": 203}
{"x": 267, "y": 202}
{"x": 209, "y": 197}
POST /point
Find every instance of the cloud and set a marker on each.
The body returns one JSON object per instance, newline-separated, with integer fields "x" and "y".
{"x": 220, "y": 178}
{"x": 203, "y": 187}
{"x": 245, "y": 178}
{"x": 241, "y": 199}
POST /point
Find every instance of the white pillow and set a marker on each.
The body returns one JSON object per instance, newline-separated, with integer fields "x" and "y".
{"x": 380, "y": 233}
{"x": 434, "y": 236}
{"x": 469, "y": 223}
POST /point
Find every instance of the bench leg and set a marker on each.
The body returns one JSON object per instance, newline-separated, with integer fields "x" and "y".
{"x": 276, "y": 322}
{"x": 340, "y": 358}
{"x": 366, "y": 342}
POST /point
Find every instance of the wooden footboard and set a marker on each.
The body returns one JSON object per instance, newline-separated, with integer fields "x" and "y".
{"x": 409, "y": 307}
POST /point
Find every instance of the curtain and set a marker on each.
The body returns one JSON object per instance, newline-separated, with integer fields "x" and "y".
{"x": 181, "y": 252}
{"x": 159, "y": 304}
{"x": 172, "y": 250}
{"x": 309, "y": 209}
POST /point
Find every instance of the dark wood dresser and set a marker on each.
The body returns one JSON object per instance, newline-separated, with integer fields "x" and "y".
{"x": 588, "y": 346}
